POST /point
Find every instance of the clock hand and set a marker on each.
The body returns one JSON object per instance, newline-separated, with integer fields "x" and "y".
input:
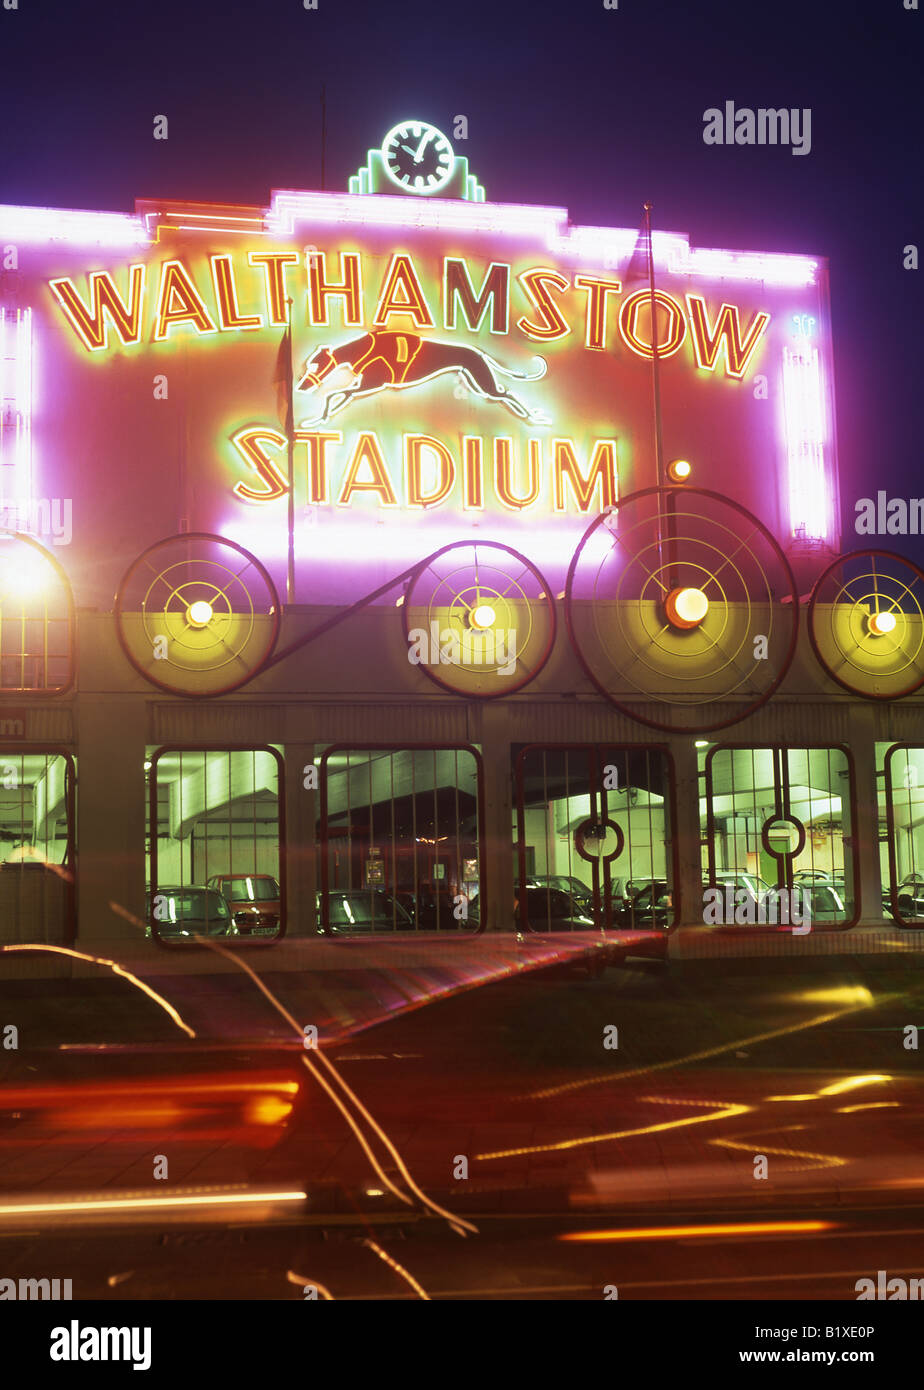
{"x": 408, "y": 149}
{"x": 421, "y": 147}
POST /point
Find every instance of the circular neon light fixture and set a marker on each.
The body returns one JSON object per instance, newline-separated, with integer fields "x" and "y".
{"x": 679, "y": 470}
{"x": 200, "y": 613}
{"x": 483, "y": 616}
{"x": 686, "y": 608}
{"x": 881, "y": 623}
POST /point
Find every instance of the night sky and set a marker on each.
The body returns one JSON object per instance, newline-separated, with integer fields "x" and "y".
{"x": 568, "y": 104}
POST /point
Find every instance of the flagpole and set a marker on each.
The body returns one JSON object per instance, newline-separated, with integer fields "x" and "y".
{"x": 656, "y": 395}
{"x": 323, "y": 131}
{"x": 655, "y": 356}
{"x": 290, "y": 459}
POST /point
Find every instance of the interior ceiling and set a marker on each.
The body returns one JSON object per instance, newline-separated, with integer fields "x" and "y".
{"x": 30, "y": 767}
{"x": 750, "y": 772}
{"x": 170, "y": 766}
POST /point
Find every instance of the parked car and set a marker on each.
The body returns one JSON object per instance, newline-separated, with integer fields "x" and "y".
{"x": 737, "y": 879}
{"x": 910, "y": 898}
{"x": 430, "y": 909}
{"x": 812, "y": 895}
{"x": 581, "y": 893}
{"x": 371, "y": 910}
{"x": 258, "y": 891}
{"x": 179, "y": 912}
{"x": 551, "y": 909}
{"x": 623, "y": 890}
{"x": 826, "y": 902}
{"x": 474, "y": 902}
{"x": 812, "y": 876}
{"x": 650, "y": 908}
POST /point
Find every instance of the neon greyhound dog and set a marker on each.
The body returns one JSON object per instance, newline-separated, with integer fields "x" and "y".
{"x": 381, "y": 360}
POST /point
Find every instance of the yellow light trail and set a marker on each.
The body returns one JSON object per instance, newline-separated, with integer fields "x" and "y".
{"x": 399, "y": 1269}
{"x": 456, "y": 1223}
{"x": 738, "y": 1045}
{"x": 820, "y": 1160}
{"x": 738, "y": 1228}
{"x": 302, "y": 1280}
{"x": 726, "y": 1109}
{"x": 837, "y": 1088}
{"x": 116, "y": 969}
{"x": 77, "y": 1205}
{"x": 870, "y": 1105}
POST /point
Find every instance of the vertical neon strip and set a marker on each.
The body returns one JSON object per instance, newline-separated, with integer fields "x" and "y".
{"x": 16, "y": 405}
{"x": 5, "y": 354}
{"x": 804, "y": 414}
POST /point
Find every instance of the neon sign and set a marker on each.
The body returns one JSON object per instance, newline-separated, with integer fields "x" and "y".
{"x": 554, "y": 307}
{"x": 806, "y": 434}
{"x": 16, "y": 372}
{"x": 489, "y": 362}
{"x": 382, "y": 361}
{"x": 430, "y": 472}
{"x": 418, "y": 159}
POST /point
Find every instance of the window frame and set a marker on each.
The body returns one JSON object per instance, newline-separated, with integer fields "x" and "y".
{"x": 771, "y": 929}
{"x": 323, "y": 837}
{"x": 152, "y": 887}
{"x": 70, "y": 801}
{"x": 594, "y": 751}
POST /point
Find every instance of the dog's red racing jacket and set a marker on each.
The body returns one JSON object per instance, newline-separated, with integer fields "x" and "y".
{"x": 396, "y": 351}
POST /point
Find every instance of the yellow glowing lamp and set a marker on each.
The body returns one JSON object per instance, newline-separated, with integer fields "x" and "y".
{"x": 200, "y": 613}
{"x": 483, "y": 616}
{"x": 679, "y": 470}
{"x": 881, "y": 623}
{"x": 686, "y": 608}
{"x": 28, "y": 578}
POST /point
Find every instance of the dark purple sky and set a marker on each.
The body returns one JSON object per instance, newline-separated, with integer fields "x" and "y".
{"x": 568, "y": 104}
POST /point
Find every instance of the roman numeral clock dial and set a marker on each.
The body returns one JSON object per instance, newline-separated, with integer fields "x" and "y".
{"x": 418, "y": 157}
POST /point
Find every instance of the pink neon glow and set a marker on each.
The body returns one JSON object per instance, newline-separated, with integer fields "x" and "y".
{"x": 15, "y": 404}
{"x": 288, "y": 209}
{"x": 365, "y": 542}
{"x": 71, "y": 225}
{"x": 611, "y": 246}
{"x": 769, "y": 269}
{"x": 804, "y": 414}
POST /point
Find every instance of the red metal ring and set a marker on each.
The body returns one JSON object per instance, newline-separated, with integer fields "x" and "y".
{"x": 622, "y": 706}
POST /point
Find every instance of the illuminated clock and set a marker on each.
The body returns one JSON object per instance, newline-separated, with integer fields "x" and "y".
{"x": 418, "y": 157}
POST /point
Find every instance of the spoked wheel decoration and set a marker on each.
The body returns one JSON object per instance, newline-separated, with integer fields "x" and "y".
{"x": 680, "y": 597}
{"x": 866, "y": 624}
{"x": 197, "y": 615}
{"x": 479, "y": 619}
{"x": 36, "y": 619}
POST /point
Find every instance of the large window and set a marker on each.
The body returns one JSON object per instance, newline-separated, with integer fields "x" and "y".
{"x": 399, "y": 840}
{"x": 776, "y": 818}
{"x": 592, "y": 828}
{"x": 37, "y": 828}
{"x": 36, "y": 619}
{"x": 215, "y": 845}
{"x": 901, "y": 806}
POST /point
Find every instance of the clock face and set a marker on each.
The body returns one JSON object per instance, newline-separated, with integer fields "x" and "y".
{"x": 418, "y": 157}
